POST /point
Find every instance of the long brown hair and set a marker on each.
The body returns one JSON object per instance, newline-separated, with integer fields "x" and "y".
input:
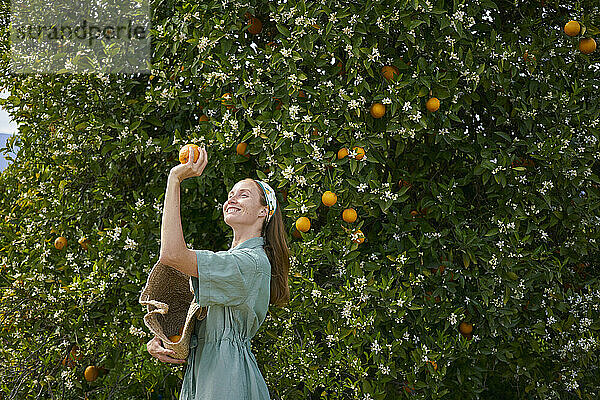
{"x": 278, "y": 253}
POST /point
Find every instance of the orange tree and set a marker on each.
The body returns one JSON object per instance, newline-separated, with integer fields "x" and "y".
{"x": 474, "y": 180}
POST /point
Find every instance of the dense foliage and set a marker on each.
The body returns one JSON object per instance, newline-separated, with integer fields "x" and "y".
{"x": 483, "y": 212}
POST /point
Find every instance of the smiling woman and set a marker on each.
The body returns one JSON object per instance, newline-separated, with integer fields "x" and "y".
{"x": 236, "y": 286}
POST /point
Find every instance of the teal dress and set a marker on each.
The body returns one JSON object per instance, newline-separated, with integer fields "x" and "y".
{"x": 235, "y": 285}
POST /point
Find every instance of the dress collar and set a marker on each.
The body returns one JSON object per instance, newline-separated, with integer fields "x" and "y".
{"x": 251, "y": 243}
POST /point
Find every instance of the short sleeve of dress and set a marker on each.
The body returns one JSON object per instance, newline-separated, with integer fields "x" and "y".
{"x": 224, "y": 277}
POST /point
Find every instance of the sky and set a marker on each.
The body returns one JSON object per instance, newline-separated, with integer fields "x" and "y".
{"x": 7, "y": 127}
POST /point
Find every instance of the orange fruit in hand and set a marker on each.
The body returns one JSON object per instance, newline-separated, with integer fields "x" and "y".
{"x": 377, "y": 110}
{"x": 91, "y": 373}
{"x": 587, "y": 45}
{"x": 60, "y": 242}
{"x": 343, "y": 152}
{"x": 465, "y": 328}
{"x": 572, "y": 28}
{"x": 349, "y": 215}
{"x": 432, "y": 104}
{"x": 185, "y": 152}
{"x": 360, "y": 152}
{"x": 329, "y": 198}
{"x": 303, "y": 224}
{"x": 390, "y": 72}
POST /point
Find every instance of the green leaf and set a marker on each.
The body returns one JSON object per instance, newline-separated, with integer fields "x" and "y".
{"x": 261, "y": 175}
{"x": 283, "y": 30}
{"x": 466, "y": 260}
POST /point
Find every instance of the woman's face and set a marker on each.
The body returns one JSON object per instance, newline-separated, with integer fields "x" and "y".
{"x": 243, "y": 204}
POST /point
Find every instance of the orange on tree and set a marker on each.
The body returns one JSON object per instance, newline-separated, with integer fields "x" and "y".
{"x": 390, "y": 72}
{"x": 434, "y": 364}
{"x": 68, "y": 362}
{"x": 255, "y": 25}
{"x": 402, "y": 183}
{"x": 360, "y": 152}
{"x": 225, "y": 99}
{"x": 377, "y": 110}
{"x": 84, "y": 242}
{"x": 203, "y": 118}
{"x": 241, "y": 148}
{"x": 74, "y": 355}
{"x": 465, "y": 328}
{"x": 91, "y": 373}
{"x": 329, "y": 198}
{"x": 432, "y": 104}
{"x": 184, "y": 153}
{"x": 441, "y": 268}
{"x": 587, "y": 45}
{"x": 296, "y": 233}
{"x": 343, "y": 152}
{"x": 528, "y": 57}
{"x": 349, "y": 215}
{"x": 60, "y": 242}
{"x": 572, "y": 28}
{"x": 437, "y": 298}
{"x": 358, "y": 236}
{"x": 303, "y": 224}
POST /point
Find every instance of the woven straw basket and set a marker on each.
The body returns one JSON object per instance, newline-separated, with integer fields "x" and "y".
{"x": 171, "y": 307}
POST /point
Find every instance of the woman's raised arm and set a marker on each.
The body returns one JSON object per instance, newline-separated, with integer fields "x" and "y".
{"x": 172, "y": 242}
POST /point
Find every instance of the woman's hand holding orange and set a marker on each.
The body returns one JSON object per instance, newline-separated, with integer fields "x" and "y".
{"x": 191, "y": 168}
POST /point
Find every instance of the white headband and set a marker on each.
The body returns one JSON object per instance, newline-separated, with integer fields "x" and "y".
{"x": 270, "y": 196}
